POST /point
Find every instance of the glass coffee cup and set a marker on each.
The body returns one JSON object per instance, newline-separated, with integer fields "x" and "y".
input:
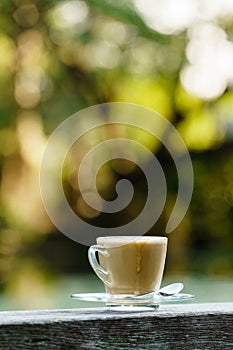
{"x": 129, "y": 266}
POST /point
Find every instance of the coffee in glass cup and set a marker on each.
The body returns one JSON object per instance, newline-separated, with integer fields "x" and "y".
{"x": 129, "y": 265}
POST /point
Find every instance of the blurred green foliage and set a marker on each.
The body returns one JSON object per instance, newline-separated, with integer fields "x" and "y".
{"x": 58, "y": 57}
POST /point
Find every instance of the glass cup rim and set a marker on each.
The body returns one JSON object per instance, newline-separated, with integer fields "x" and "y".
{"x": 122, "y": 240}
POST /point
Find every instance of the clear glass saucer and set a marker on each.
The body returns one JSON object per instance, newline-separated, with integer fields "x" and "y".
{"x": 122, "y": 302}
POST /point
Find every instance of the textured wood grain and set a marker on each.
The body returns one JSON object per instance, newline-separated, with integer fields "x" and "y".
{"x": 181, "y": 326}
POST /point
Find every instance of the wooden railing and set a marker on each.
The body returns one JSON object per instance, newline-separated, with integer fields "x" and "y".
{"x": 179, "y": 327}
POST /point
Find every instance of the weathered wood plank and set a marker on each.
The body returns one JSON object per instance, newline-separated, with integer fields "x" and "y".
{"x": 181, "y": 326}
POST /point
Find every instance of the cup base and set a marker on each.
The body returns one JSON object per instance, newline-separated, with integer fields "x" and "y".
{"x": 131, "y": 307}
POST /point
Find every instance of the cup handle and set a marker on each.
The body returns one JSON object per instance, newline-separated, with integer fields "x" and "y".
{"x": 100, "y": 272}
